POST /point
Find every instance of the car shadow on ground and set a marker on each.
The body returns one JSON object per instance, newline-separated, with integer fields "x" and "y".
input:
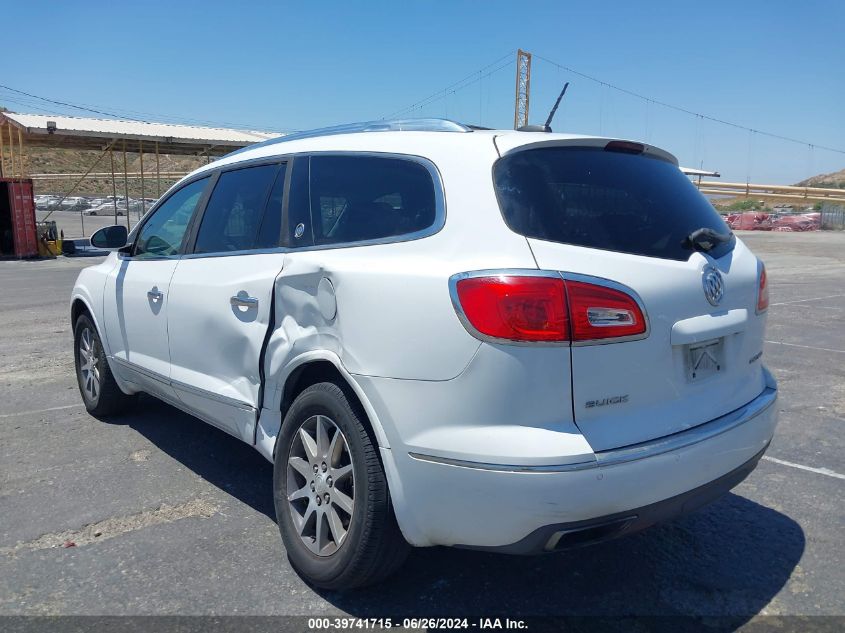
{"x": 219, "y": 458}
{"x": 727, "y": 559}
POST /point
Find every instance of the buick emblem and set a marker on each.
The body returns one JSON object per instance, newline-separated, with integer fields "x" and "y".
{"x": 714, "y": 285}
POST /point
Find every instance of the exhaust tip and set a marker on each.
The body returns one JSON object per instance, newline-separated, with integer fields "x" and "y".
{"x": 588, "y": 534}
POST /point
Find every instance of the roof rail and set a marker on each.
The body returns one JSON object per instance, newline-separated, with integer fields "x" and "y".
{"x": 386, "y": 125}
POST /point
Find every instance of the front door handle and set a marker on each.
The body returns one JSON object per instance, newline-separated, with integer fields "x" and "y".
{"x": 243, "y": 302}
{"x": 155, "y": 295}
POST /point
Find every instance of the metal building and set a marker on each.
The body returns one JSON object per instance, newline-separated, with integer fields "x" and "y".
{"x": 21, "y": 132}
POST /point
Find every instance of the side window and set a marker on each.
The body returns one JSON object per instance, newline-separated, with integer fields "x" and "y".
{"x": 357, "y": 198}
{"x": 235, "y": 209}
{"x": 162, "y": 234}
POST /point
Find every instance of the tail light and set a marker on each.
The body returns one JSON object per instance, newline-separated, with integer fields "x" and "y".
{"x": 762, "y": 291}
{"x": 516, "y": 308}
{"x": 537, "y": 309}
{"x": 599, "y": 312}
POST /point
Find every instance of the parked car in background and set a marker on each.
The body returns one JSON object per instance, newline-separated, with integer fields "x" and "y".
{"x": 74, "y": 203}
{"x": 504, "y": 340}
{"x": 107, "y": 208}
{"x": 45, "y": 202}
{"x": 96, "y": 202}
{"x": 148, "y": 203}
{"x": 134, "y": 205}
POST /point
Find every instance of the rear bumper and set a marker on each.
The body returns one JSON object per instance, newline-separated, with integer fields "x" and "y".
{"x": 524, "y": 509}
{"x": 552, "y": 538}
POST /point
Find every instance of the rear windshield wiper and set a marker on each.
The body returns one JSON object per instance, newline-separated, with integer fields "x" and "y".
{"x": 705, "y": 239}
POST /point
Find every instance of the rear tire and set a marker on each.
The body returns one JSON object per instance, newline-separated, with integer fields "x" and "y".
{"x": 100, "y": 393}
{"x": 339, "y": 532}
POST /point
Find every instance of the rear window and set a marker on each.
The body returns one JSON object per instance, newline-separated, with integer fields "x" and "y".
{"x": 604, "y": 199}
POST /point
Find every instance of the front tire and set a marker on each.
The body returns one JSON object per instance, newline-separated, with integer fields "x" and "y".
{"x": 100, "y": 393}
{"x": 332, "y": 502}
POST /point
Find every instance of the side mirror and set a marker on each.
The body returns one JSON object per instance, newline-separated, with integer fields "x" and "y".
{"x": 110, "y": 237}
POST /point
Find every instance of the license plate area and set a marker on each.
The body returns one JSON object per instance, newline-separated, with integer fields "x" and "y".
{"x": 705, "y": 359}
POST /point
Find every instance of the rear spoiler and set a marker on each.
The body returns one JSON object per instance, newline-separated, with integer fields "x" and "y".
{"x": 510, "y": 142}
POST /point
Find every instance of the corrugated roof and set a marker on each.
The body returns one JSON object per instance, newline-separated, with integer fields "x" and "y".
{"x": 88, "y": 133}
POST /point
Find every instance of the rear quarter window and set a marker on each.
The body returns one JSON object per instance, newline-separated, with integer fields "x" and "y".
{"x": 362, "y": 198}
{"x": 603, "y": 199}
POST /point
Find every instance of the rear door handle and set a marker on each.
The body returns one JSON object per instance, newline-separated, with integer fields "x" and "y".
{"x": 243, "y": 302}
{"x": 155, "y": 295}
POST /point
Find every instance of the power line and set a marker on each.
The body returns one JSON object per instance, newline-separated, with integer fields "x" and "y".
{"x": 687, "y": 111}
{"x": 446, "y": 92}
{"x": 469, "y": 80}
{"x": 27, "y": 104}
{"x": 62, "y": 103}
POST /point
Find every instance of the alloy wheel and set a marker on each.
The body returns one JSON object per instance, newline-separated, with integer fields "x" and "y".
{"x": 320, "y": 485}
{"x": 89, "y": 358}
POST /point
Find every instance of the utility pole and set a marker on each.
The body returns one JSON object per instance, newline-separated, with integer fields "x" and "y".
{"x": 523, "y": 89}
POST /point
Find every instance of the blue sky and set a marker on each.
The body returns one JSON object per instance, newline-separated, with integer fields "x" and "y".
{"x": 774, "y": 66}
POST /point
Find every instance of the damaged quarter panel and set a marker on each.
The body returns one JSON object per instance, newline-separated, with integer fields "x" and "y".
{"x": 389, "y": 310}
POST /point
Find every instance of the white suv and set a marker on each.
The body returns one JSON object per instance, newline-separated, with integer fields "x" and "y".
{"x": 443, "y": 335}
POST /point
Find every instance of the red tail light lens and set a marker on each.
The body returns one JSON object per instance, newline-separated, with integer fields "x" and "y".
{"x": 517, "y": 308}
{"x": 546, "y": 309}
{"x": 598, "y": 312}
{"x": 762, "y": 291}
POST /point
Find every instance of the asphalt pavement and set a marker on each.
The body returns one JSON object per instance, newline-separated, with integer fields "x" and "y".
{"x": 171, "y": 516}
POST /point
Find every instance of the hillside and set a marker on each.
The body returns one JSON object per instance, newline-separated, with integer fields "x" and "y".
{"x": 835, "y": 180}
{"x": 728, "y": 204}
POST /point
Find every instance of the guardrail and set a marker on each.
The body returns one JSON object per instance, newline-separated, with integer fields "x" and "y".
{"x": 775, "y": 192}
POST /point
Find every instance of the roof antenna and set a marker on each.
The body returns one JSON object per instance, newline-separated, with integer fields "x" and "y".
{"x": 547, "y": 127}
{"x": 554, "y": 109}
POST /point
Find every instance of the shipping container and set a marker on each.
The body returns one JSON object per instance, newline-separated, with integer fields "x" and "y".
{"x": 17, "y": 218}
